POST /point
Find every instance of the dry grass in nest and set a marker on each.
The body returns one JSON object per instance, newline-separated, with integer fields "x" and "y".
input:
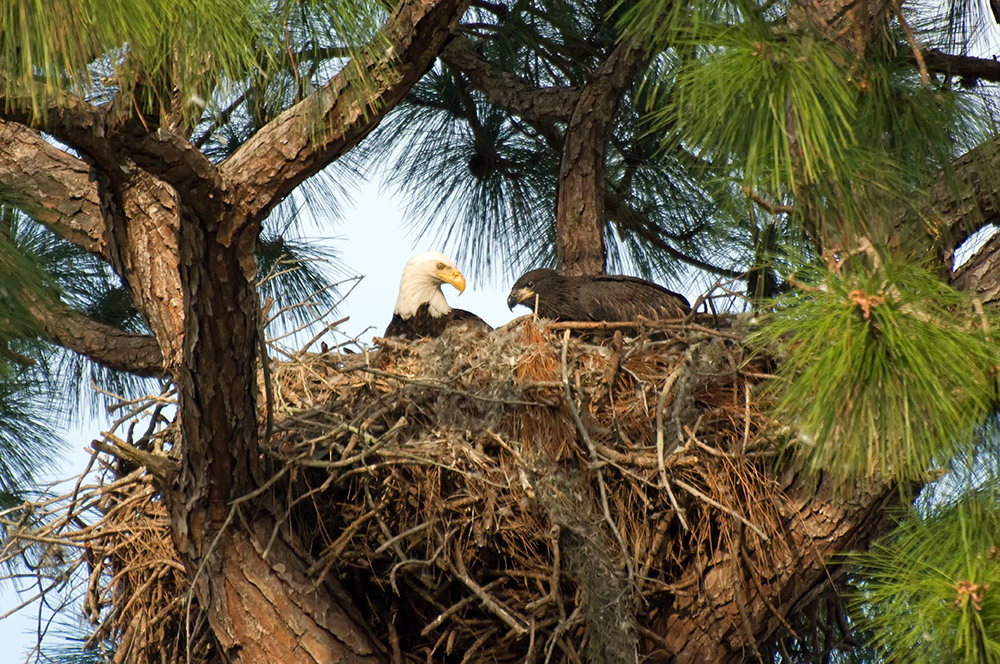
{"x": 112, "y": 537}
{"x": 525, "y": 493}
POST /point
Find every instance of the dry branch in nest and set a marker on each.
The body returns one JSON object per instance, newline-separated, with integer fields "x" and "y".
{"x": 525, "y": 495}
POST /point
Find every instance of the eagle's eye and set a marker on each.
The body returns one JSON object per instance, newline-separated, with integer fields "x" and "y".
{"x": 530, "y": 284}
{"x": 440, "y": 266}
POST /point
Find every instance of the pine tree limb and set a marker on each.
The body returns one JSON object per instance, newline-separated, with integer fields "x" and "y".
{"x": 984, "y": 69}
{"x": 105, "y": 344}
{"x": 171, "y": 157}
{"x": 580, "y": 202}
{"x": 635, "y": 221}
{"x": 161, "y": 467}
{"x": 341, "y": 112}
{"x": 52, "y": 186}
{"x": 159, "y": 151}
{"x": 967, "y": 199}
{"x": 518, "y": 97}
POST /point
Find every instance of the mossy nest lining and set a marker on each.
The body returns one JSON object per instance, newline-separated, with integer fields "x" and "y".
{"x": 526, "y": 493}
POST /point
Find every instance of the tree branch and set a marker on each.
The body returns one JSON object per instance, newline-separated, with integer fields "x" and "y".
{"x": 110, "y": 144}
{"x": 504, "y": 90}
{"x": 959, "y": 202}
{"x": 52, "y": 186}
{"x": 981, "y": 273}
{"x": 286, "y": 151}
{"x": 580, "y": 210}
{"x": 962, "y": 204}
{"x": 105, "y": 344}
{"x": 962, "y": 65}
{"x": 70, "y": 119}
{"x": 968, "y": 198}
{"x": 633, "y": 220}
{"x": 175, "y": 160}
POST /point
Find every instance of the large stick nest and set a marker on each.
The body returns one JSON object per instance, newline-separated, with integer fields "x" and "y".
{"x": 525, "y": 493}
{"x": 519, "y": 496}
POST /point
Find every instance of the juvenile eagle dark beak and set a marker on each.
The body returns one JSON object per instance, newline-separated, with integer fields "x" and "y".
{"x": 519, "y": 296}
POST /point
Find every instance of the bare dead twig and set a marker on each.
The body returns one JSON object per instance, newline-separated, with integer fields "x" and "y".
{"x": 716, "y": 504}
{"x": 773, "y": 208}
{"x": 918, "y": 55}
{"x": 661, "y": 452}
{"x": 502, "y": 612}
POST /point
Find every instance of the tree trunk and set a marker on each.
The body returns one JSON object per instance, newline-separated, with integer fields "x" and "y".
{"x": 269, "y": 607}
{"x": 580, "y": 215}
{"x": 724, "y": 616}
{"x": 261, "y": 603}
{"x": 182, "y": 234}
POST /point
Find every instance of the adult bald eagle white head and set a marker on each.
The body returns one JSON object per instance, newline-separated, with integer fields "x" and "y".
{"x": 421, "y": 309}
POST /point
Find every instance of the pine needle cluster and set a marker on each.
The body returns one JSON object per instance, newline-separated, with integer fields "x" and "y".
{"x": 793, "y": 116}
{"x": 152, "y": 51}
{"x": 883, "y": 372}
{"x": 928, "y": 592}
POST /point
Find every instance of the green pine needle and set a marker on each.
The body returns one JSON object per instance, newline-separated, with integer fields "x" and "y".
{"x": 163, "y": 50}
{"x": 882, "y": 371}
{"x": 299, "y": 278}
{"x": 929, "y": 591}
{"x": 28, "y": 442}
{"x": 789, "y": 112}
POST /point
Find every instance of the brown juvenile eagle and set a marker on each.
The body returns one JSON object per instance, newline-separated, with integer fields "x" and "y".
{"x": 421, "y": 310}
{"x": 595, "y": 298}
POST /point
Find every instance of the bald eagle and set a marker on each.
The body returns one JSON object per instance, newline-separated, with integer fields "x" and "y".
{"x": 421, "y": 310}
{"x": 595, "y": 298}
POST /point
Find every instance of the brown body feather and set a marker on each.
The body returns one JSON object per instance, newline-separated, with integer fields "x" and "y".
{"x": 595, "y": 298}
{"x": 425, "y": 324}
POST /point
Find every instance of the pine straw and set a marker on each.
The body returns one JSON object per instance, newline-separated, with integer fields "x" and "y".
{"x": 111, "y": 535}
{"x": 519, "y": 496}
{"x": 524, "y": 495}
{"x": 137, "y": 591}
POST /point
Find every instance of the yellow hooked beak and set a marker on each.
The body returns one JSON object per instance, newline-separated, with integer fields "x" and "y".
{"x": 451, "y": 275}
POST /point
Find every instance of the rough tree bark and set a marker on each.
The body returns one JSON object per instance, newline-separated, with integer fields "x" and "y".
{"x": 52, "y": 186}
{"x": 580, "y": 215}
{"x": 961, "y": 206}
{"x": 719, "y": 615}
